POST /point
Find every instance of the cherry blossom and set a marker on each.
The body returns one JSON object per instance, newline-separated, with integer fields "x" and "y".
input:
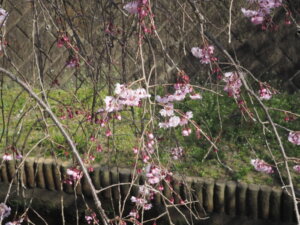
{"x": 112, "y": 104}
{"x": 92, "y": 217}
{"x": 184, "y": 120}
{"x": 154, "y": 174}
{"x": 294, "y": 137}
{"x": 297, "y": 168}
{"x": 73, "y": 175}
{"x": 204, "y": 54}
{"x": 7, "y": 157}
{"x": 195, "y": 96}
{"x": 265, "y": 93}
{"x": 108, "y": 133}
{"x": 72, "y": 62}
{"x": 144, "y": 190}
{"x": 265, "y": 7}
{"x": 186, "y": 131}
{"x": 134, "y": 213}
{"x": 19, "y": 156}
{"x": 233, "y": 84}
{"x": 262, "y": 166}
{"x": 150, "y": 136}
{"x": 177, "y": 153}
{"x": 162, "y": 100}
{"x": 168, "y": 110}
{"x": 132, "y": 7}
{"x": 124, "y": 97}
{"x": 141, "y": 202}
{"x": 174, "y": 121}
{"x": 99, "y": 148}
{"x": 14, "y": 223}
{"x": 4, "y": 211}
{"x": 3, "y": 17}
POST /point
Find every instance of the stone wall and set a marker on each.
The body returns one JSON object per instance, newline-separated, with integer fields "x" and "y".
{"x": 269, "y": 55}
{"x": 211, "y": 196}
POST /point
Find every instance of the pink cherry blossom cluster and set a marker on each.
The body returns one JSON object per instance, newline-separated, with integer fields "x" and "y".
{"x": 294, "y": 137}
{"x": 4, "y": 211}
{"x": 3, "y": 17}
{"x": 205, "y": 54}
{"x": 175, "y": 121}
{"x": 142, "y": 9}
{"x": 263, "y": 12}
{"x": 145, "y": 194}
{"x": 297, "y": 168}
{"x": 233, "y": 84}
{"x": 73, "y": 62}
{"x": 155, "y": 174}
{"x": 136, "y": 7}
{"x": 16, "y": 222}
{"x": 182, "y": 88}
{"x": 141, "y": 202}
{"x": 63, "y": 40}
{"x": 265, "y": 93}
{"x": 149, "y": 148}
{"x": 10, "y": 156}
{"x": 73, "y": 175}
{"x": 261, "y": 166}
{"x": 177, "y": 153}
{"x": 124, "y": 97}
{"x": 91, "y": 218}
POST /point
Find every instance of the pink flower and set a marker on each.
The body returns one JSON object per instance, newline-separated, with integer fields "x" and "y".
{"x": 195, "y": 96}
{"x": 141, "y": 202}
{"x": 99, "y": 148}
{"x": 118, "y": 117}
{"x": 186, "y": 132}
{"x": 154, "y": 174}
{"x": 3, "y": 17}
{"x": 108, "y": 133}
{"x": 112, "y": 104}
{"x": 177, "y": 153}
{"x": 174, "y": 121}
{"x": 144, "y": 190}
{"x": 163, "y": 125}
{"x": 119, "y": 88}
{"x": 185, "y": 119}
{"x": 265, "y": 8}
{"x": 249, "y": 13}
{"x": 132, "y": 7}
{"x": 7, "y": 157}
{"x": 233, "y": 84}
{"x": 294, "y": 137}
{"x": 151, "y": 136}
{"x": 297, "y": 168}
{"x": 262, "y": 166}
{"x": 74, "y": 174}
{"x": 204, "y": 54}
{"x": 134, "y": 213}
{"x": 257, "y": 20}
{"x": 168, "y": 110}
{"x": 162, "y": 100}
{"x": 19, "y": 156}
{"x": 135, "y": 150}
{"x": 73, "y": 62}
{"x": 265, "y": 93}
{"x": 189, "y": 114}
{"x": 4, "y": 211}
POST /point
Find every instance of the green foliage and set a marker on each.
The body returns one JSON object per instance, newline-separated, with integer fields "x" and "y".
{"x": 240, "y": 138}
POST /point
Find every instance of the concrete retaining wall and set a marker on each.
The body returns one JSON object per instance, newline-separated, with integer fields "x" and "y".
{"x": 229, "y": 197}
